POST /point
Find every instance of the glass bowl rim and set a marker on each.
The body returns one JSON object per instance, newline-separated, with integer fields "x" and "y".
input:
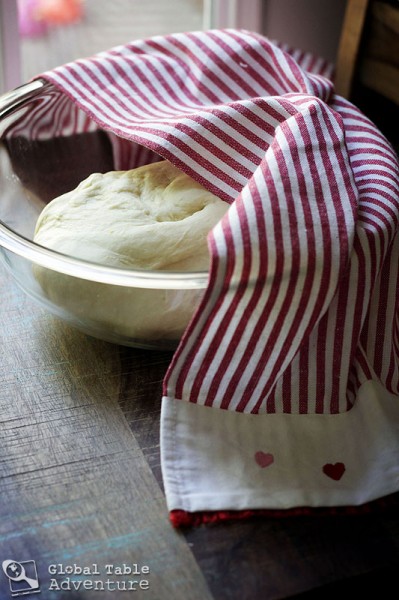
{"x": 62, "y": 263}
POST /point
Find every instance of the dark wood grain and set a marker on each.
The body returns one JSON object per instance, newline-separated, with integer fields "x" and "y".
{"x": 139, "y": 398}
{"x": 75, "y": 485}
{"x": 280, "y": 558}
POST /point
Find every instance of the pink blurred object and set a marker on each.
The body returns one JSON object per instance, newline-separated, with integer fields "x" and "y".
{"x": 29, "y": 20}
{"x": 35, "y": 16}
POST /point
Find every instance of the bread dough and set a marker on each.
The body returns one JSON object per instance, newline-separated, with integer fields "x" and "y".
{"x": 154, "y": 218}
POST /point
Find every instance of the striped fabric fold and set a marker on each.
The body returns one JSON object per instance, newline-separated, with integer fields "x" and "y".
{"x": 282, "y": 249}
{"x": 298, "y": 328}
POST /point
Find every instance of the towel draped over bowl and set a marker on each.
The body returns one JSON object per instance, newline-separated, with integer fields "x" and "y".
{"x": 283, "y": 393}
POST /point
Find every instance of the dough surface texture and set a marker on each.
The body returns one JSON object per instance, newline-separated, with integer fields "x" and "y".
{"x": 154, "y": 218}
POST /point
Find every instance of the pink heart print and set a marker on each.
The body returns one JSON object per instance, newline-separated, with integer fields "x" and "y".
{"x": 334, "y": 471}
{"x": 264, "y": 459}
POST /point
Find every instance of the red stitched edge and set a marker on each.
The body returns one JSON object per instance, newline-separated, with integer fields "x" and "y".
{"x": 182, "y": 518}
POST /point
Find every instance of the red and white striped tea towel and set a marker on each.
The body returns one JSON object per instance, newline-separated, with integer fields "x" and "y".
{"x": 284, "y": 390}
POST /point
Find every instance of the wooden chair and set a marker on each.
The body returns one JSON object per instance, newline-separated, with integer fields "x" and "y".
{"x": 368, "y": 51}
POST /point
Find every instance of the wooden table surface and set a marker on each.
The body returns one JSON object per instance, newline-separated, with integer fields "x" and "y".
{"x": 80, "y": 483}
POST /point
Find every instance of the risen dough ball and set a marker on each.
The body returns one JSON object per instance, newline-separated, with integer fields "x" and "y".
{"x": 154, "y": 218}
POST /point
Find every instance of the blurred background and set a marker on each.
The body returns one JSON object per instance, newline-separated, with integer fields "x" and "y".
{"x": 41, "y": 34}
{"x": 359, "y": 37}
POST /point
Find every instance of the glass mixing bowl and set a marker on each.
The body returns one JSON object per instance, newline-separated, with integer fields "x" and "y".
{"x": 147, "y": 309}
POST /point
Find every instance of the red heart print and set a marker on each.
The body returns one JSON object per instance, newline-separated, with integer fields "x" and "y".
{"x": 264, "y": 459}
{"x": 334, "y": 471}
